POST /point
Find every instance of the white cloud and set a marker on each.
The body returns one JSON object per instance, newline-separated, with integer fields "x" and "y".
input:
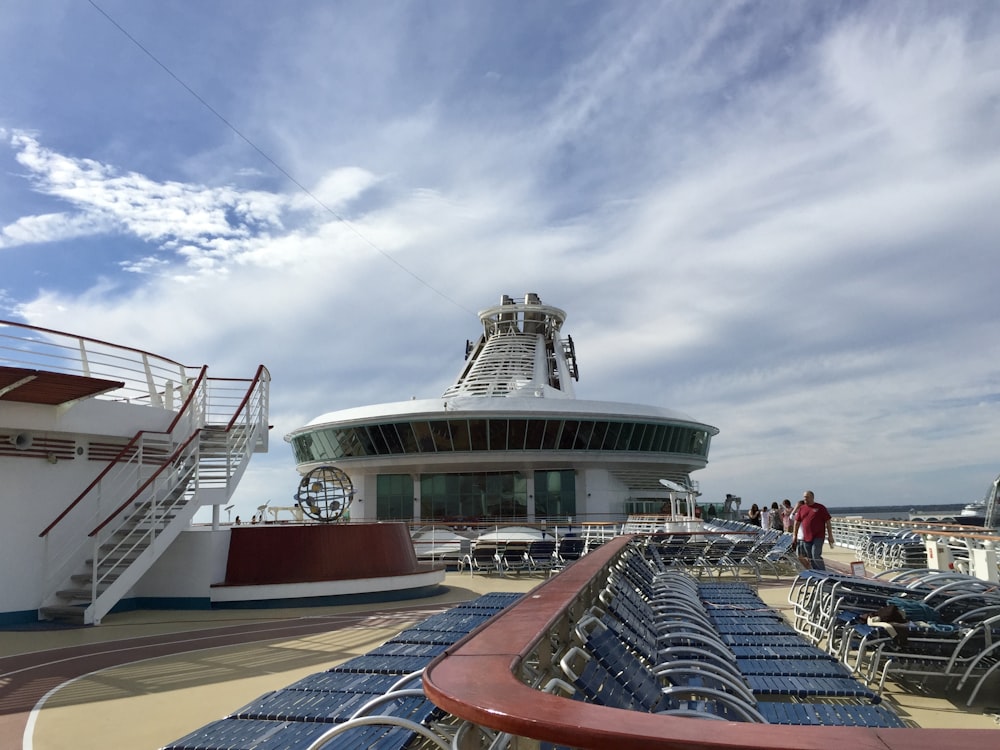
{"x": 197, "y": 219}
{"x": 337, "y": 187}
{"x": 781, "y": 224}
{"x": 30, "y": 230}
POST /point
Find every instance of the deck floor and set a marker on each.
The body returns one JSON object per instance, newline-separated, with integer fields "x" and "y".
{"x": 143, "y": 679}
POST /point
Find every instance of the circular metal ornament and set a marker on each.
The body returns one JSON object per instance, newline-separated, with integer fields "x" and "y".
{"x": 325, "y": 494}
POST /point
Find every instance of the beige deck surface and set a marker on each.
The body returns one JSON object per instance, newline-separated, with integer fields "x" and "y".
{"x": 146, "y": 704}
{"x": 926, "y": 709}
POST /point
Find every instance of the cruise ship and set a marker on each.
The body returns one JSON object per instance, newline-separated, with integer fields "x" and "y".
{"x": 508, "y": 440}
{"x": 985, "y": 512}
{"x": 107, "y": 452}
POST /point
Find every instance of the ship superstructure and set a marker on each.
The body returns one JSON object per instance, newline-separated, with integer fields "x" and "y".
{"x": 508, "y": 439}
{"x": 106, "y": 453}
{"x": 519, "y": 350}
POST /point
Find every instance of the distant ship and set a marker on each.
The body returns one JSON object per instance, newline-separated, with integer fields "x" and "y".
{"x": 985, "y": 512}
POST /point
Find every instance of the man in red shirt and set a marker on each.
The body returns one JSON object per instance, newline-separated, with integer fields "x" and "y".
{"x": 814, "y": 519}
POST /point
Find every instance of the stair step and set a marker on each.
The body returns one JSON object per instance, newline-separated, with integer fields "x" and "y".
{"x": 126, "y": 533}
{"x": 112, "y": 563}
{"x": 62, "y": 613}
{"x": 134, "y": 523}
{"x": 75, "y": 595}
{"x": 85, "y": 579}
{"x": 221, "y": 454}
{"x": 108, "y": 548}
{"x": 117, "y": 537}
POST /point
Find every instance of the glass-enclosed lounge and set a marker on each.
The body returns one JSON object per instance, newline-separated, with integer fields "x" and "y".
{"x": 479, "y": 434}
{"x": 508, "y": 439}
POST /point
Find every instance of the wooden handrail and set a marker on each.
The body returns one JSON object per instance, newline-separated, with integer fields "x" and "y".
{"x": 183, "y": 446}
{"x": 111, "y": 464}
{"x": 163, "y": 467}
{"x": 257, "y": 378}
{"x": 192, "y": 392}
{"x": 982, "y": 536}
{"x": 15, "y": 324}
{"x": 120, "y": 456}
{"x": 476, "y": 680}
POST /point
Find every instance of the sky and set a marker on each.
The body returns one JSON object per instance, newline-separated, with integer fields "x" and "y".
{"x": 779, "y": 218}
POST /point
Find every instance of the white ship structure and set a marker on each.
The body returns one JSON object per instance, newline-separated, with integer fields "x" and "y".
{"x": 508, "y": 441}
{"x": 106, "y": 453}
{"x": 985, "y": 512}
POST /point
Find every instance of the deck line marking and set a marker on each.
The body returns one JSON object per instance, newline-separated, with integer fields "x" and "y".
{"x": 29, "y": 729}
{"x": 76, "y": 657}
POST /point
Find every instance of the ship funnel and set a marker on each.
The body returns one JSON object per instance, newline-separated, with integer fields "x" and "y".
{"x": 21, "y": 441}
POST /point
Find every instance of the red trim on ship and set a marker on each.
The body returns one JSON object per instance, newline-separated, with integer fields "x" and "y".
{"x": 267, "y": 554}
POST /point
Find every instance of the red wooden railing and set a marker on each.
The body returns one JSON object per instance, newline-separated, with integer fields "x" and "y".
{"x": 477, "y": 680}
{"x": 130, "y": 449}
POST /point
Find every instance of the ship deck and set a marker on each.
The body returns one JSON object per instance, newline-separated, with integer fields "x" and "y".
{"x": 145, "y": 678}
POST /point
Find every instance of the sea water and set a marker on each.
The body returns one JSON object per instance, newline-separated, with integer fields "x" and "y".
{"x": 897, "y": 512}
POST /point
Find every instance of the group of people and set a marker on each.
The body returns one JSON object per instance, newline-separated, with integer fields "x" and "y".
{"x": 808, "y": 521}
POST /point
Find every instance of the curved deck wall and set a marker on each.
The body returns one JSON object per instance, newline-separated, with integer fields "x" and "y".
{"x": 269, "y": 554}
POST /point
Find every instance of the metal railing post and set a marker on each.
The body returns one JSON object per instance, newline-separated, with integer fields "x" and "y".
{"x": 95, "y": 571}
{"x": 154, "y": 396}
{"x": 84, "y": 362}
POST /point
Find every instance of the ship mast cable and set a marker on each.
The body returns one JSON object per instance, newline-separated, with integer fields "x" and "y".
{"x": 291, "y": 178}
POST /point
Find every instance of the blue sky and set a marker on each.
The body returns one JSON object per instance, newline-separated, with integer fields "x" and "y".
{"x": 779, "y": 218}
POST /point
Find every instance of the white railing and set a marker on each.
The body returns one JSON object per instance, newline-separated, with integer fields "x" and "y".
{"x": 900, "y": 544}
{"x": 214, "y": 458}
{"x": 122, "y": 483}
{"x": 127, "y": 542}
{"x": 236, "y": 417}
{"x": 149, "y": 484}
{"x": 147, "y": 378}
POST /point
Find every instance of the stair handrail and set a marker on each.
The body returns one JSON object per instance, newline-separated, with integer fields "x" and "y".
{"x": 258, "y": 379}
{"x": 124, "y": 542}
{"x": 168, "y": 462}
{"x": 121, "y": 456}
{"x": 992, "y": 516}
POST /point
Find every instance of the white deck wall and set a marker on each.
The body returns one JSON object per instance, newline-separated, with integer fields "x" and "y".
{"x": 34, "y": 491}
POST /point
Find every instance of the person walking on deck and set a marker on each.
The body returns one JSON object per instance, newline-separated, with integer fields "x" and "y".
{"x": 787, "y": 517}
{"x": 813, "y": 520}
{"x": 775, "y": 521}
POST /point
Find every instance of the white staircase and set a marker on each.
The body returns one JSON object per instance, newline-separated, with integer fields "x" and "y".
{"x": 149, "y": 494}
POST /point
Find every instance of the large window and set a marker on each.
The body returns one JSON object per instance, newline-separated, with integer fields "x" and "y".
{"x": 555, "y": 493}
{"x": 395, "y": 497}
{"x": 496, "y": 434}
{"x": 487, "y": 495}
